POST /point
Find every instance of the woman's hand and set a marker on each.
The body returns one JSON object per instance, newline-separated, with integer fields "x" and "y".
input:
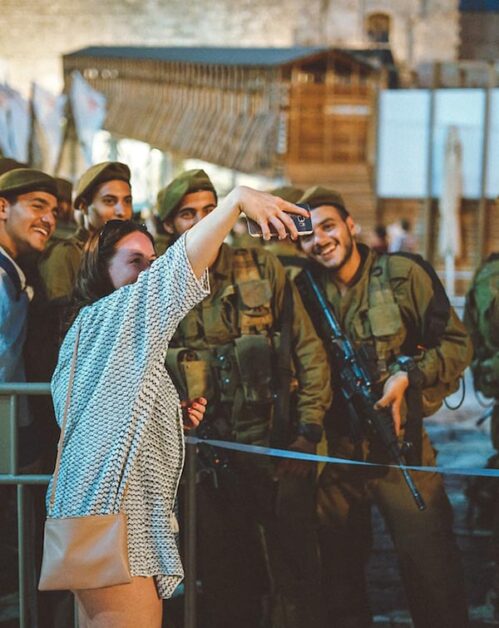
{"x": 204, "y": 239}
{"x": 266, "y": 209}
{"x": 193, "y": 412}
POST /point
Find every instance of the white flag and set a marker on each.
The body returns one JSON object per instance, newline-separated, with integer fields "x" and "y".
{"x": 4, "y": 123}
{"x": 89, "y": 112}
{"x": 449, "y": 241}
{"x": 49, "y": 118}
{"x": 15, "y": 116}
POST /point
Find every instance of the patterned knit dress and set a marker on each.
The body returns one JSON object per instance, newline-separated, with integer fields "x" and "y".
{"x": 124, "y": 425}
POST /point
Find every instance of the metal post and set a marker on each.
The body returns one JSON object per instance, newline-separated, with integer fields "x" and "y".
{"x": 76, "y": 623}
{"x": 13, "y": 433}
{"x": 377, "y": 125}
{"x": 12, "y": 390}
{"x": 482, "y": 205}
{"x": 21, "y": 557}
{"x": 428, "y": 203}
{"x": 20, "y": 512}
{"x": 190, "y": 537}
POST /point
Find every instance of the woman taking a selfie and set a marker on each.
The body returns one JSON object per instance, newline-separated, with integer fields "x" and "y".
{"x": 122, "y": 449}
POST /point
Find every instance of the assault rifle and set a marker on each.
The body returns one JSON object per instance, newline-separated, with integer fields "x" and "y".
{"x": 355, "y": 380}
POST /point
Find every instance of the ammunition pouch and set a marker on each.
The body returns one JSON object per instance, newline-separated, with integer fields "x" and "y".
{"x": 254, "y": 359}
{"x": 254, "y": 298}
{"x": 222, "y": 373}
{"x": 388, "y": 331}
{"x": 486, "y": 375}
{"x": 192, "y": 373}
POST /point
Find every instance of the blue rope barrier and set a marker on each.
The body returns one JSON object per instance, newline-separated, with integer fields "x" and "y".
{"x": 297, "y": 455}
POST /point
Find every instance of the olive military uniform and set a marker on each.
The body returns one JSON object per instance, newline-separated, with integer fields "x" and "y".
{"x": 58, "y": 266}
{"x": 386, "y": 306}
{"x": 290, "y": 257}
{"x": 226, "y": 349}
{"x": 481, "y": 316}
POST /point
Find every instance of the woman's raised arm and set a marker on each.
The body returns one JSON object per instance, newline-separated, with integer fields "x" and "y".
{"x": 205, "y": 238}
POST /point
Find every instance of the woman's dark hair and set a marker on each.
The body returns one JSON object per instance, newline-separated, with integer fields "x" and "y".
{"x": 10, "y": 198}
{"x": 93, "y": 281}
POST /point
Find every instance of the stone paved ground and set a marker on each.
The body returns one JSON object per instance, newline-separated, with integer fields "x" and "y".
{"x": 460, "y": 444}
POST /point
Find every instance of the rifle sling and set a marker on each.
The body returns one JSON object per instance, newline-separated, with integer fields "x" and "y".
{"x": 279, "y": 435}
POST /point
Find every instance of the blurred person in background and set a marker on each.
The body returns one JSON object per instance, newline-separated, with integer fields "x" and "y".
{"x": 481, "y": 317}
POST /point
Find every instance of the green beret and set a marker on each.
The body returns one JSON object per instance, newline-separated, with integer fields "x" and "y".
{"x": 98, "y": 174}
{"x": 7, "y": 164}
{"x": 64, "y": 189}
{"x": 288, "y": 193}
{"x": 318, "y": 195}
{"x": 189, "y": 181}
{"x": 24, "y": 180}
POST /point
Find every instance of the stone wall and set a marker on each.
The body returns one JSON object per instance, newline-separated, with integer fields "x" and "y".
{"x": 34, "y": 34}
{"x": 479, "y": 35}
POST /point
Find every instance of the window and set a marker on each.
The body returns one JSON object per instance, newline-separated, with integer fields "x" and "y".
{"x": 378, "y": 28}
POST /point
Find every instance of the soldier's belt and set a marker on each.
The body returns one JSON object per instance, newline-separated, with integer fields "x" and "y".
{"x": 296, "y": 455}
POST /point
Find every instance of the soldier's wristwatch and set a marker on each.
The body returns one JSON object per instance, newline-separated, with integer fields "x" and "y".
{"x": 409, "y": 366}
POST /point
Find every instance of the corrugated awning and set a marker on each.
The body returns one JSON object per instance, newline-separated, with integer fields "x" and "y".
{"x": 222, "y": 105}
{"x": 244, "y": 57}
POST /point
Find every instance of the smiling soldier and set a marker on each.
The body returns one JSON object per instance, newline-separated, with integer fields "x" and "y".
{"x": 28, "y": 214}
{"x": 394, "y": 310}
{"x": 103, "y": 193}
{"x": 250, "y": 349}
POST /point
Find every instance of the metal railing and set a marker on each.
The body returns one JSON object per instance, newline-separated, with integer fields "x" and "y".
{"x": 12, "y": 391}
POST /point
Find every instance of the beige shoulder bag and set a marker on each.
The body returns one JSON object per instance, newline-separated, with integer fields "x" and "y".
{"x": 86, "y": 552}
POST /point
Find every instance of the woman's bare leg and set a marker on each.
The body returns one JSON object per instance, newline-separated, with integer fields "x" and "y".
{"x": 121, "y": 606}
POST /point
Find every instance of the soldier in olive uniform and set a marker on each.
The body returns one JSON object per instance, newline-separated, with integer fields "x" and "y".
{"x": 247, "y": 343}
{"x": 65, "y": 221}
{"x": 103, "y": 193}
{"x": 481, "y": 317}
{"x": 385, "y": 303}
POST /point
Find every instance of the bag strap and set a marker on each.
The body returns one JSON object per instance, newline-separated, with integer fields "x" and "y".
{"x": 64, "y": 421}
{"x": 279, "y": 436}
{"x": 11, "y": 272}
{"x": 439, "y": 308}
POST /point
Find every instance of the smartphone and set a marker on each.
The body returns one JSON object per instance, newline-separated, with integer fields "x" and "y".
{"x": 303, "y": 224}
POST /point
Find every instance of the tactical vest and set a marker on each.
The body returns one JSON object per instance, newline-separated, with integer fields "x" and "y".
{"x": 384, "y": 316}
{"x": 389, "y": 333}
{"x": 482, "y": 319}
{"x": 239, "y": 368}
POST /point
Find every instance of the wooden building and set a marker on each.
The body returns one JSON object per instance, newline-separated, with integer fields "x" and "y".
{"x": 305, "y": 114}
